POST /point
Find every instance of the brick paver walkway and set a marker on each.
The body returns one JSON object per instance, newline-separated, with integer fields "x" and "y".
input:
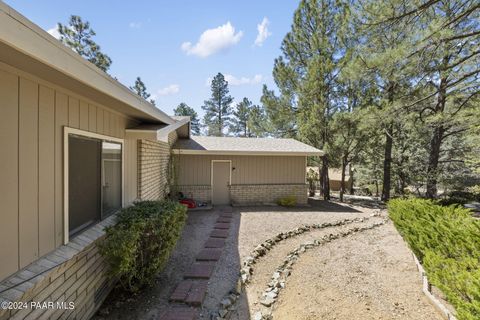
{"x": 191, "y": 292}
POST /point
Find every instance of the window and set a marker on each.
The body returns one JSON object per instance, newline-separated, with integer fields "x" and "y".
{"x": 94, "y": 173}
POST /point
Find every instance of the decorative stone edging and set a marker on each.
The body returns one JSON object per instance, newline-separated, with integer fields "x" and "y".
{"x": 427, "y": 290}
{"x": 279, "y": 277}
{"x": 228, "y": 302}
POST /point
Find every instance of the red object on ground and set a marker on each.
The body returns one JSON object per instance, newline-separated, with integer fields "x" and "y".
{"x": 189, "y": 203}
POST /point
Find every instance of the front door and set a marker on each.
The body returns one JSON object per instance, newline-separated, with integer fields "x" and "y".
{"x": 220, "y": 182}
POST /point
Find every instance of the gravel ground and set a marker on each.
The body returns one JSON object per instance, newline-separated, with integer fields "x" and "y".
{"x": 369, "y": 275}
{"x": 346, "y": 263}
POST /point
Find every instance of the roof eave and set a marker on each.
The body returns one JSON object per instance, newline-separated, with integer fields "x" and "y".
{"x": 247, "y": 153}
{"x": 24, "y": 36}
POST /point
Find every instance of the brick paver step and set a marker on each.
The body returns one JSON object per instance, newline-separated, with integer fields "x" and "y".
{"x": 180, "y": 313}
{"x": 197, "y": 293}
{"x": 222, "y": 225}
{"x": 227, "y": 209}
{"x": 224, "y": 219}
{"x": 181, "y": 291}
{"x": 219, "y": 233}
{"x": 210, "y": 254}
{"x": 226, "y": 214}
{"x": 214, "y": 243}
{"x": 199, "y": 271}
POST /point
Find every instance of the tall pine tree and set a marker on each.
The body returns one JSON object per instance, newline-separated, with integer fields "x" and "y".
{"x": 78, "y": 36}
{"x": 218, "y": 108}
{"x": 184, "y": 110}
{"x": 240, "y": 121}
{"x": 141, "y": 89}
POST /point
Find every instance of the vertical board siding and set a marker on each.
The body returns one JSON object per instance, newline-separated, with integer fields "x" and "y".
{"x": 46, "y": 170}
{"x": 9, "y": 173}
{"x": 61, "y": 120}
{"x": 195, "y": 169}
{"x": 73, "y": 113}
{"x": 32, "y": 121}
{"x": 83, "y": 115}
{"x": 28, "y": 171}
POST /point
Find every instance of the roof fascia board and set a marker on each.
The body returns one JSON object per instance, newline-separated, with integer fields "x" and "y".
{"x": 24, "y": 36}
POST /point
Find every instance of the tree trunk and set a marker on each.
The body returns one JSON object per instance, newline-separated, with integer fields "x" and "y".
{"x": 350, "y": 171}
{"x": 342, "y": 182}
{"x": 376, "y": 187}
{"x": 387, "y": 164}
{"x": 324, "y": 181}
{"x": 433, "y": 158}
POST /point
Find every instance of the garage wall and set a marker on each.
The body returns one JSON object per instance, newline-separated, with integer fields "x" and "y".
{"x": 33, "y": 115}
{"x": 194, "y": 170}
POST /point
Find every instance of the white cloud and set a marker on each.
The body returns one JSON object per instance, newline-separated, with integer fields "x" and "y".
{"x": 234, "y": 81}
{"x": 213, "y": 40}
{"x": 263, "y": 32}
{"x": 167, "y": 91}
{"x": 135, "y": 25}
{"x": 54, "y": 32}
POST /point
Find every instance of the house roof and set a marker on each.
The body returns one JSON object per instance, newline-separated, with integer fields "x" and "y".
{"x": 161, "y": 131}
{"x": 26, "y": 46}
{"x": 244, "y": 146}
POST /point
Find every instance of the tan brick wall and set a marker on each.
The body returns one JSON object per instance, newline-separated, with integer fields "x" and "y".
{"x": 198, "y": 193}
{"x": 75, "y": 272}
{"x": 258, "y": 194}
{"x": 153, "y": 162}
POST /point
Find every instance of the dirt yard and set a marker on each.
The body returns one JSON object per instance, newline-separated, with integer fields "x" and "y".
{"x": 367, "y": 275}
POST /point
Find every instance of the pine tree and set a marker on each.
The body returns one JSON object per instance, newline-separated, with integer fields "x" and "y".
{"x": 184, "y": 110}
{"x": 240, "y": 121}
{"x": 78, "y": 36}
{"x": 141, "y": 89}
{"x": 217, "y": 108}
{"x": 306, "y": 75}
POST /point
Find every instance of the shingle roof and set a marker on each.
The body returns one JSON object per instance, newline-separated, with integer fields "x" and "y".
{"x": 246, "y": 146}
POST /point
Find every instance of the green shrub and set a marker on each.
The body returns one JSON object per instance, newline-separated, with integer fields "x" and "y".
{"x": 461, "y": 197}
{"x": 289, "y": 201}
{"x": 139, "y": 245}
{"x": 447, "y": 242}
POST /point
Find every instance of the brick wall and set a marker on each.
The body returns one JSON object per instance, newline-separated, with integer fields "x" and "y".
{"x": 199, "y": 193}
{"x": 153, "y": 161}
{"x": 258, "y": 194}
{"x": 73, "y": 273}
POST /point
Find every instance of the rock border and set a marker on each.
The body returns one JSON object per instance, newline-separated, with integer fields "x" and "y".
{"x": 427, "y": 290}
{"x": 227, "y": 304}
{"x": 279, "y": 277}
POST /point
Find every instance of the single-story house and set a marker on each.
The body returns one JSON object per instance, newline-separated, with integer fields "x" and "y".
{"x": 335, "y": 178}
{"x": 77, "y": 146}
{"x": 238, "y": 171}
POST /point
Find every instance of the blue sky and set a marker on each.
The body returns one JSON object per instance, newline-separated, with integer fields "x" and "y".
{"x": 175, "y": 46}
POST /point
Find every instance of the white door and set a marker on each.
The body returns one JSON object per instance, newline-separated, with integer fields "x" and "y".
{"x": 220, "y": 182}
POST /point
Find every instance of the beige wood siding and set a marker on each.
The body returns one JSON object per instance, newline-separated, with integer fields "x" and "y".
{"x": 195, "y": 169}
{"x": 33, "y": 115}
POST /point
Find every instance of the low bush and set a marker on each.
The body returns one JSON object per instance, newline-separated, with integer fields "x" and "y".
{"x": 447, "y": 242}
{"x": 461, "y": 197}
{"x": 289, "y": 201}
{"x": 139, "y": 245}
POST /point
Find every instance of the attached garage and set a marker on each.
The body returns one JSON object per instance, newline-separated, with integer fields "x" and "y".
{"x": 242, "y": 171}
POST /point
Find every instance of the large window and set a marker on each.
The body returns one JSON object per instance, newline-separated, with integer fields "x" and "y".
{"x": 94, "y": 179}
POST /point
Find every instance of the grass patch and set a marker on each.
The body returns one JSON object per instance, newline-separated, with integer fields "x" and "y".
{"x": 447, "y": 242}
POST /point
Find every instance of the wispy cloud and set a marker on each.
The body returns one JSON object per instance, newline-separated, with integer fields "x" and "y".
{"x": 238, "y": 81}
{"x": 213, "y": 40}
{"x": 135, "y": 25}
{"x": 167, "y": 91}
{"x": 54, "y": 32}
{"x": 263, "y": 32}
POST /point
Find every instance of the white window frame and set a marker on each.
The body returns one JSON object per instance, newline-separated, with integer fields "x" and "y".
{"x": 211, "y": 175}
{"x": 66, "y": 132}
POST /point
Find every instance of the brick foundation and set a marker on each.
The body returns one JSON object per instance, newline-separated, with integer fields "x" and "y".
{"x": 199, "y": 193}
{"x": 259, "y": 194}
{"x": 74, "y": 273}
